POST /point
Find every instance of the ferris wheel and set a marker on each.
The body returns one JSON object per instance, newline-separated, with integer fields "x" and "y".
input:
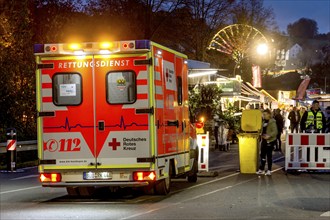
{"x": 237, "y": 41}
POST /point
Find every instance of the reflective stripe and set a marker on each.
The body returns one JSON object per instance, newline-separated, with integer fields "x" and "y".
{"x": 159, "y": 90}
{"x": 39, "y": 119}
{"x": 310, "y": 119}
{"x": 121, "y": 166}
{"x": 142, "y": 75}
{"x": 57, "y": 168}
{"x": 45, "y": 78}
{"x": 47, "y": 92}
{"x": 159, "y": 104}
{"x": 142, "y": 89}
{"x": 157, "y": 75}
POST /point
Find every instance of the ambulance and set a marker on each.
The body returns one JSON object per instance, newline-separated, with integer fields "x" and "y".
{"x": 113, "y": 114}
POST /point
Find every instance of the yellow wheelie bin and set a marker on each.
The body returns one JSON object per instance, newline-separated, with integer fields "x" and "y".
{"x": 251, "y": 124}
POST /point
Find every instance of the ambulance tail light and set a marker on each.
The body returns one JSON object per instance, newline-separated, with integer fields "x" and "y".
{"x": 50, "y": 177}
{"x": 144, "y": 176}
{"x": 128, "y": 45}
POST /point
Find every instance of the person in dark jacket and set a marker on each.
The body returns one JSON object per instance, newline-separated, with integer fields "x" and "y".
{"x": 216, "y": 131}
{"x": 280, "y": 124}
{"x": 313, "y": 120}
{"x": 294, "y": 117}
{"x": 327, "y": 127}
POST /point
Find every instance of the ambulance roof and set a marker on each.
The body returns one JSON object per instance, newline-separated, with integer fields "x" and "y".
{"x": 102, "y": 48}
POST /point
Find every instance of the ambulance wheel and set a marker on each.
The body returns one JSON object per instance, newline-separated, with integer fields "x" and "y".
{"x": 149, "y": 190}
{"x": 86, "y": 191}
{"x": 192, "y": 176}
{"x": 72, "y": 191}
{"x": 162, "y": 187}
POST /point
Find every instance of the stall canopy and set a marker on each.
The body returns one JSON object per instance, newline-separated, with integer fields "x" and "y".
{"x": 200, "y": 72}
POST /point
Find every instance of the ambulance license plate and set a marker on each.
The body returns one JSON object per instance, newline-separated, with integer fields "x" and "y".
{"x": 97, "y": 175}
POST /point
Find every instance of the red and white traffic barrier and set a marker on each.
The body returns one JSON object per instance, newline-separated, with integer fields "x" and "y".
{"x": 11, "y": 145}
{"x": 306, "y": 151}
{"x": 203, "y": 156}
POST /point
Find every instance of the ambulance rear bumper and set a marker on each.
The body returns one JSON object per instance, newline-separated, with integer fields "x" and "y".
{"x": 90, "y": 183}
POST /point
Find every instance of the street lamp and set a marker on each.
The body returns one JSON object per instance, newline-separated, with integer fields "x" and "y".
{"x": 262, "y": 49}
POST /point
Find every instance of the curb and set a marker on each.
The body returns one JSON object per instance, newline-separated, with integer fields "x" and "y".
{"x": 207, "y": 174}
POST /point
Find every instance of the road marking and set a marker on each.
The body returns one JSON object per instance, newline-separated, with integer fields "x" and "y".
{"x": 222, "y": 166}
{"x": 211, "y": 181}
{"x": 277, "y": 159}
{"x": 199, "y": 196}
{"x": 187, "y": 200}
{"x": 25, "y": 177}
{"x": 230, "y": 165}
{"x": 18, "y": 190}
{"x": 326, "y": 214}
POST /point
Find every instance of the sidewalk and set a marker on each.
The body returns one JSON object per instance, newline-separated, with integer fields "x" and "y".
{"x": 228, "y": 161}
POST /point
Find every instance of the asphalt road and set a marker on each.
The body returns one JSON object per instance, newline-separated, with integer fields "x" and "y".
{"x": 230, "y": 195}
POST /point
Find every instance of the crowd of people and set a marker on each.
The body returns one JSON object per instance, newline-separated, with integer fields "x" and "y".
{"x": 301, "y": 120}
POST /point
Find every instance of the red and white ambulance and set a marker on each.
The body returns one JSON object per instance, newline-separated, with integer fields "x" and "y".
{"x": 113, "y": 114}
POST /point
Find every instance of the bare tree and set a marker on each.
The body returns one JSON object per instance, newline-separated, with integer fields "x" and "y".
{"x": 152, "y": 9}
{"x": 207, "y": 16}
{"x": 303, "y": 28}
{"x": 253, "y": 13}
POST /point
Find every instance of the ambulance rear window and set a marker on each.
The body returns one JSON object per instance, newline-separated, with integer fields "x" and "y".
{"x": 67, "y": 89}
{"x": 121, "y": 87}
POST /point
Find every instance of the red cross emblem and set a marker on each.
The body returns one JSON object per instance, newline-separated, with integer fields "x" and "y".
{"x": 114, "y": 144}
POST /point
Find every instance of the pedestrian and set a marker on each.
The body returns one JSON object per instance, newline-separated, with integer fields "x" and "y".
{"x": 294, "y": 118}
{"x": 313, "y": 120}
{"x": 280, "y": 124}
{"x": 302, "y": 111}
{"x": 216, "y": 130}
{"x": 327, "y": 127}
{"x": 286, "y": 120}
{"x": 269, "y": 133}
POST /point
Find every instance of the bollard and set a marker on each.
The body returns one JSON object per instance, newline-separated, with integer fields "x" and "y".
{"x": 11, "y": 149}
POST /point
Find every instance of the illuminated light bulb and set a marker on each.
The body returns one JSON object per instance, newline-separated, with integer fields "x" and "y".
{"x": 262, "y": 49}
{"x": 152, "y": 176}
{"x": 106, "y": 45}
{"x": 42, "y": 177}
{"x": 74, "y": 46}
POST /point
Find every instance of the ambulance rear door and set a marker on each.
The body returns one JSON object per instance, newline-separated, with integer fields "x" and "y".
{"x": 123, "y": 111}
{"x": 65, "y": 112}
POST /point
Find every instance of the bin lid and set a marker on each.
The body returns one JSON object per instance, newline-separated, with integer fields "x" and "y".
{"x": 251, "y": 120}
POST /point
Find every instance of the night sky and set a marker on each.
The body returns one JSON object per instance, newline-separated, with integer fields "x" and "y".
{"x": 289, "y": 11}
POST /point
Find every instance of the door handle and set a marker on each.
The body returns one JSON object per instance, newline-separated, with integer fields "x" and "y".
{"x": 183, "y": 123}
{"x": 101, "y": 125}
{"x": 173, "y": 123}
